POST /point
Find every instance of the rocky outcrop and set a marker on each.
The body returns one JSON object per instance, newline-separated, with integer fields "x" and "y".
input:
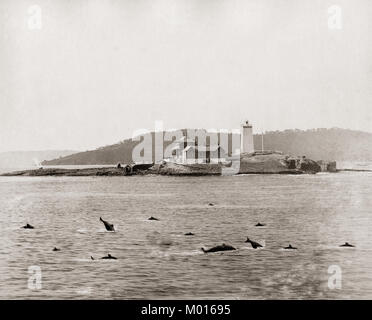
{"x": 176, "y": 169}
{"x": 276, "y": 162}
{"x": 309, "y": 166}
{"x": 267, "y": 162}
{"x": 264, "y": 162}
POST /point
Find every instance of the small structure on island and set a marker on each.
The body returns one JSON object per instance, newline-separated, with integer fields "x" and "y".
{"x": 187, "y": 151}
{"x": 246, "y": 138}
{"x": 327, "y": 166}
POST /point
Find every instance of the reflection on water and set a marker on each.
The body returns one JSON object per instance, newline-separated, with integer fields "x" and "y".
{"x": 315, "y": 213}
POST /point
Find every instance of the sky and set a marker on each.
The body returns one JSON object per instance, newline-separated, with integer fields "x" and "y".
{"x": 80, "y": 74}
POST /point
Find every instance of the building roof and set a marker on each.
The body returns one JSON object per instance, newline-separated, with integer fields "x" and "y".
{"x": 184, "y": 139}
{"x": 204, "y": 148}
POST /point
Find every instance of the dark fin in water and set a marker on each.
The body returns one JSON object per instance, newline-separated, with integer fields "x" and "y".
{"x": 28, "y": 226}
{"x": 347, "y": 244}
{"x": 290, "y": 247}
{"x": 222, "y": 247}
{"x": 108, "y": 226}
{"x": 254, "y": 244}
{"x": 109, "y": 256}
{"x": 153, "y": 218}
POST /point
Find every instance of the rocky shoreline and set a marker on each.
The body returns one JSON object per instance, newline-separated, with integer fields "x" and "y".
{"x": 268, "y": 162}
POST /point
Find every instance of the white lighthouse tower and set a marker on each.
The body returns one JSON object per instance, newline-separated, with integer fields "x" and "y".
{"x": 247, "y": 138}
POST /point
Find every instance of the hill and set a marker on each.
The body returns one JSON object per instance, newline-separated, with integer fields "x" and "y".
{"x": 317, "y": 144}
{"x": 321, "y": 144}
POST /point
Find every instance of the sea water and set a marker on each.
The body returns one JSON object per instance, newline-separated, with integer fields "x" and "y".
{"x": 315, "y": 213}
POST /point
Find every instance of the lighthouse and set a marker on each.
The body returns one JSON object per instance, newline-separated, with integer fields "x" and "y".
{"x": 247, "y": 138}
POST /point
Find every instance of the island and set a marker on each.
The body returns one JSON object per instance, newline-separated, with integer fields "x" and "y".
{"x": 259, "y": 162}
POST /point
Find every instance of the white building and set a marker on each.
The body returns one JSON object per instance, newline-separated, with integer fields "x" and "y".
{"x": 246, "y": 138}
{"x": 186, "y": 152}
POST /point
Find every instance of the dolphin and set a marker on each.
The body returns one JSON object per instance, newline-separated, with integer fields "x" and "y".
{"x": 254, "y": 244}
{"x": 109, "y": 256}
{"x": 347, "y": 244}
{"x": 189, "y": 234}
{"x": 210, "y": 204}
{"x": 290, "y": 247}
{"x": 108, "y": 226}
{"x": 28, "y": 226}
{"x": 152, "y": 218}
{"x": 259, "y": 225}
{"x": 56, "y": 249}
{"x": 91, "y": 257}
{"x": 222, "y": 247}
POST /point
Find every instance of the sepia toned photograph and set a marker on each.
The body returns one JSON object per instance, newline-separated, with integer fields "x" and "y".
{"x": 185, "y": 150}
